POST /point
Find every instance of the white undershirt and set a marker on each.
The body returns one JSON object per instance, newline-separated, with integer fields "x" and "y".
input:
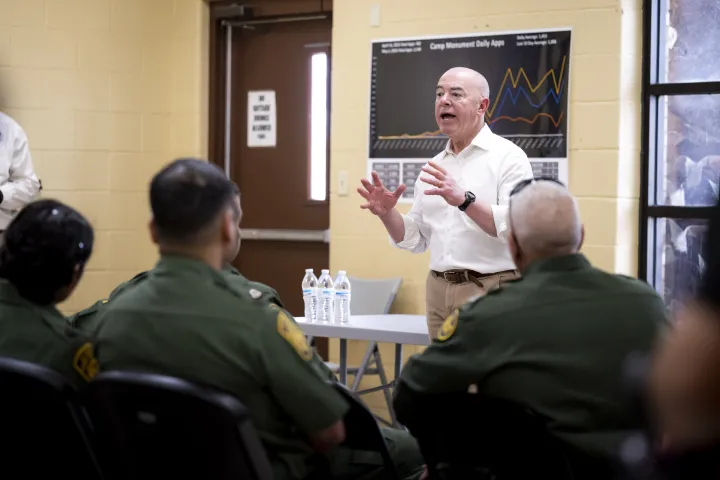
{"x": 489, "y": 167}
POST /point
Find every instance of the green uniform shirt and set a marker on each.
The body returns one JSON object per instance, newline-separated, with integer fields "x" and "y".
{"x": 555, "y": 341}
{"x": 185, "y": 320}
{"x": 87, "y": 319}
{"x": 43, "y": 336}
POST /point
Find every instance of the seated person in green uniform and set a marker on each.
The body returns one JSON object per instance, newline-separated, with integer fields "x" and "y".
{"x": 186, "y": 319}
{"x": 555, "y": 341}
{"x": 86, "y": 319}
{"x": 42, "y": 259}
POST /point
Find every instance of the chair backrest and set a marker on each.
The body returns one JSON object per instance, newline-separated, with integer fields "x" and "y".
{"x": 153, "y": 426}
{"x": 363, "y": 432}
{"x": 373, "y": 296}
{"x": 469, "y": 436}
{"x": 45, "y": 431}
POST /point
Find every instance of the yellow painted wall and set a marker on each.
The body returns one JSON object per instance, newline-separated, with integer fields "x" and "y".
{"x": 604, "y": 125}
{"x": 107, "y": 91}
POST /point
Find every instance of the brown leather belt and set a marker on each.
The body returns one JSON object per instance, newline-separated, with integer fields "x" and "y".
{"x": 463, "y": 276}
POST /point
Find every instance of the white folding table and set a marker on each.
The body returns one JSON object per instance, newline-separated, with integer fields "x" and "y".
{"x": 391, "y": 328}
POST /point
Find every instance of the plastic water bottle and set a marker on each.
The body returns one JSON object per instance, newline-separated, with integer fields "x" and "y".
{"x": 342, "y": 295}
{"x": 326, "y": 312}
{"x": 310, "y": 295}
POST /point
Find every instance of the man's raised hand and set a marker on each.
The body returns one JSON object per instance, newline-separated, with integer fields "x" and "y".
{"x": 380, "y": 200}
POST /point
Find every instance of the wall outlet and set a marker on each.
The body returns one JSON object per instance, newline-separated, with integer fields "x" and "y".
{"x": 343, "y": 183}
{"x": 375, "y": 15}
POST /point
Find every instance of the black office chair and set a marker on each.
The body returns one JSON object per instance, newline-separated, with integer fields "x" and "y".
{"x": 155, "y": 427}
{"x": 44, "y": 429}
{"x": 363, "y": 432}
{"x": 471, "y": 437}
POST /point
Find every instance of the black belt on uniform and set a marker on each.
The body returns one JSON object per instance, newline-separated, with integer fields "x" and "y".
{"x": 463, "y": 276}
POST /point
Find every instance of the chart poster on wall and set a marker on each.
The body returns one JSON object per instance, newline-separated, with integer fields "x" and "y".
{"x": 528, "y": 73}
{"x": 262, "y": 119}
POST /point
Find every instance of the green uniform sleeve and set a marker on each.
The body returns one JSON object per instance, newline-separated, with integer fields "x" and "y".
{"x": 460, "y": 357}
{"x": 288, "y": 360}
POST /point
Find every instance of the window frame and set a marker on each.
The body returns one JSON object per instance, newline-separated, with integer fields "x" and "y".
{"x": 652, "y": 90}
{"x": 311, "y": 54}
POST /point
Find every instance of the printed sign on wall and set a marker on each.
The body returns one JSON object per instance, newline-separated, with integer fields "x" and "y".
{"x": 262, "y": 119}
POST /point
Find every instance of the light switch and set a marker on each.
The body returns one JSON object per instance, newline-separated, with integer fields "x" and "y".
{"x": 375, "y": 15}
{"x": 343, "y": 183}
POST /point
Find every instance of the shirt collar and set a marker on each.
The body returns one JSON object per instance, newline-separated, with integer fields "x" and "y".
{"x": 229, "y": 268}
{"x": 178, "y": 263}
{"x": 10, "y": 295}
{"x": 484, "y": 139}
{"x": 565, "y": 263}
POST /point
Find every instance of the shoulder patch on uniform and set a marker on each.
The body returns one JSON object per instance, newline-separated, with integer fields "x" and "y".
{"x": 254, "y": 293}
{"x": 85, "y": 363}
{"x": 293, "y": 335}
{"x": 449, "y": 326}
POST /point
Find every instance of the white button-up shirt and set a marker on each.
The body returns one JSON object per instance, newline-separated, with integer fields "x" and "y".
{"x": 489, "y": 167}
{"x": 18, "y": 182}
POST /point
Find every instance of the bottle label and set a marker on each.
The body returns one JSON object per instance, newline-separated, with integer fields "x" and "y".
{"x": 344, "y": 293}
{"x": 307, "y": 292}
{"x": 328, "y": 292}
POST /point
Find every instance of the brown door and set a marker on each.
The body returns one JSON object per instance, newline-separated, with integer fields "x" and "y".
{"x": 283, "y": 176}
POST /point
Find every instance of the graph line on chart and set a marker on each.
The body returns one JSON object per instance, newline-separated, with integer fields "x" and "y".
{"x": 530, "y": 121}
{"x": 521, "y": 91}
{"x": 435, "y": 134}
{"x": 557, "y": 81}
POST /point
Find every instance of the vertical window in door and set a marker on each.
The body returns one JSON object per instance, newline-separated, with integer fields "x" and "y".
{"x": 318, "y": 126}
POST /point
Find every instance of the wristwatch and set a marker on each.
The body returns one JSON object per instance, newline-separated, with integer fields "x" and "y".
{"x": 469, "y": 198}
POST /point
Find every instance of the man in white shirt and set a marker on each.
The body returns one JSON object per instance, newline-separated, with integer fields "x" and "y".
{"x": 459, "y": 207}
{"x": 18, "y": 183}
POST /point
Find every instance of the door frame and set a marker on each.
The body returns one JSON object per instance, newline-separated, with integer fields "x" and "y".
{"x": 224, "y": 15}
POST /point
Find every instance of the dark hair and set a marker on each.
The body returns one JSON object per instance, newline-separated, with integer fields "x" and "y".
{"x": 42, "y": 247}
{"x": 709, "y": 290}
{"x": 187, "y": 197}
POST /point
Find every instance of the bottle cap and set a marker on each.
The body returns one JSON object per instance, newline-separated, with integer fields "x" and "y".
{"x": 325, "y": 270}
{"x": 308, "y": 270}
{"x": 342, "y": 272}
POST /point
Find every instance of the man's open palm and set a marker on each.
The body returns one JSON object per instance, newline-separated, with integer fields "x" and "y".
{"x": 380, "y": 200}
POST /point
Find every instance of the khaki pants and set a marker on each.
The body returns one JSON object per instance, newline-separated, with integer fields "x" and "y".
{"x": 442, "y": 297}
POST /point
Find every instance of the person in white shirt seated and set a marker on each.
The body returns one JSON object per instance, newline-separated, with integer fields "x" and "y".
{"x": 18, "y": 183}
{"x": 459, "y": 209}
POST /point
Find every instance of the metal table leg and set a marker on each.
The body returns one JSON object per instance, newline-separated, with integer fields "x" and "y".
{"x": 343, "y": 361}
{"x": 398, "y": 360}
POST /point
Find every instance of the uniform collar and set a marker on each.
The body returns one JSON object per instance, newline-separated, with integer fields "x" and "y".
{"x": 484, "y": 140}
{"x": 565, "y": 263}
{"x": 178, "y": 263}
{"x": 229, "y": 268}
{"x": 9, "y": 295}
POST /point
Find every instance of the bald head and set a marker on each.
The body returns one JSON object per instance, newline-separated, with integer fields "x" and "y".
{"x": 474, "y": 82}
{"x": 545, "y": 221}
{"x": 461, "y": 100}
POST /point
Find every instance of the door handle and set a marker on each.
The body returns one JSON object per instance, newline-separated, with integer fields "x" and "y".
{"x": 322, "y": 236}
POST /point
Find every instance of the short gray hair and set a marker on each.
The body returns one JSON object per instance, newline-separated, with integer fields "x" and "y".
{"x": 545, "y": 220}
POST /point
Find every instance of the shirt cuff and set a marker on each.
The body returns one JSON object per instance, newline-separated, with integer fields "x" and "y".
{"x": 410, "y": 240}
{"x": 500, "y": 214}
